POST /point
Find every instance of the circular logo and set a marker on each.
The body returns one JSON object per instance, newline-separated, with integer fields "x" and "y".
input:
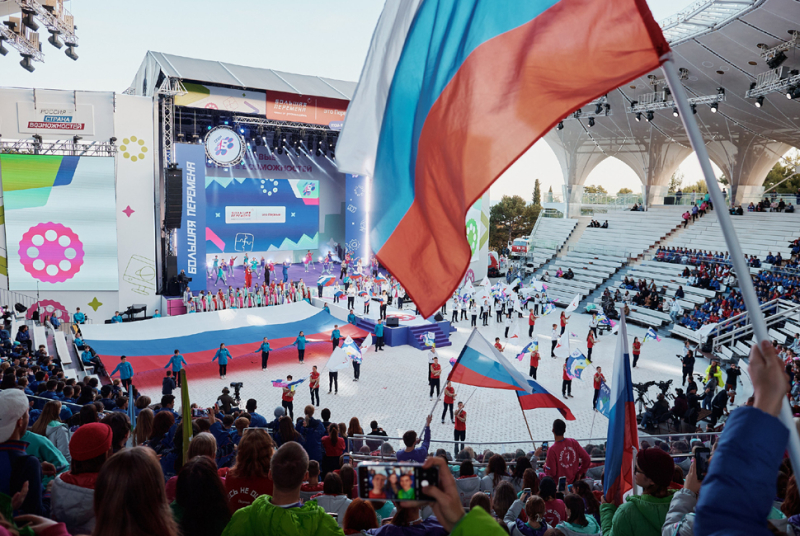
{"x": 224, "y": 146}
{"x": 469, "y": 277}
{"x": 51, "y": 252}
{"x": 133, "y": 148}
{"x": 49, "y": 308}
{"x": 472, "y": 235}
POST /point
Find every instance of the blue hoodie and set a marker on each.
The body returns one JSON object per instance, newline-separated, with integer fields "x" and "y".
{"x": 177, "y": 362}
{"x": 300, "y": 342}
{"x": 125, "y": 371}
{"x": 223, "y": 355}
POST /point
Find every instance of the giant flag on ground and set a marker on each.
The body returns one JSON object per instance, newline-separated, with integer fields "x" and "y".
{"x": 482, "y": 365}
{"x": 540, "y": 398}
{"x": 493, "y": 72}
{"x": 623, "y": 435}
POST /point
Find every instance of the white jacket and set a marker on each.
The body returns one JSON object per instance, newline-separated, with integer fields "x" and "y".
{"x": 467, "y": 487}
{"x": 487, "y": 482}
{"x": 59, "y": 435}
{"x": 73, "y": 506}
{"x": 334, "y": 504}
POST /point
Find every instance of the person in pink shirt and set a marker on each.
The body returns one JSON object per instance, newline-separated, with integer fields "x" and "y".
{"x": 565, "y": 457}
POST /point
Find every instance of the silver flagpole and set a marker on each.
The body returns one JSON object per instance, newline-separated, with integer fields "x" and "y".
{"x": 737, "y": 257}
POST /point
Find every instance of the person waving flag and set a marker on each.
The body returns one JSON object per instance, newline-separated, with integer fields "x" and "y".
{"x": 494, "y": 72}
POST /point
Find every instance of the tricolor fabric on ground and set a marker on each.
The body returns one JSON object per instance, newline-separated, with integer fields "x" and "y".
{"x": 475, "y": 83}
{"x": 149, "y": 344}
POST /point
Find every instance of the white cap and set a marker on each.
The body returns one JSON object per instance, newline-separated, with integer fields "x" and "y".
{"x": 13, "y": 405}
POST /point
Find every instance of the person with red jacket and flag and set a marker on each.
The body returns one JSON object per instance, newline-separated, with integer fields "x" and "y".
{"x": 564, "y": 319}
{"x": 534, "y": 363}
{"x": 566, "y": 381}
{"x": 598, "y": 383}
{"x": 313, "y": 384}
{"x": 565, "y": 457}
{"x": 460, "y": 429}
{"x": 449, "y": 399}
{"x": 531, "y": 324}
{"x": 589, "y": 345}
{"x": 287, "y": 399}
{"x": 436, "y": 373}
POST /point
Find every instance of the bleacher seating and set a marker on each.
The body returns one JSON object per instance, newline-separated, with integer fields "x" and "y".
{"x": 62, "y": 349}
{"x": 38, "y": 335}
{"x": 548, "y": 237}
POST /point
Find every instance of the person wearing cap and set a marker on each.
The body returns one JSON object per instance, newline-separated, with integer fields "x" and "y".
{"x": 642, "y": 515}
{"x": 16, "y": 466}
{"x": 125, "y": 372}
{"x": 72, "y": 495}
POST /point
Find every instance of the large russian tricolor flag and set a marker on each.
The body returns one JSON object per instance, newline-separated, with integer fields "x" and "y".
{"x": 539, "y": 398}
{"x": 482, "y": 365}
{"x": 453, "y": 92}
{"x": 623, "y": 435}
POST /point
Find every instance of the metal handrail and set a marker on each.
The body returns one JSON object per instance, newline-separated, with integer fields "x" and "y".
{"x": 743, "y": 331}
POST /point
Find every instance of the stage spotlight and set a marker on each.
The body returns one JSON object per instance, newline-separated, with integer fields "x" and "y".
{"x": 26, "y": 64}
{"x": 3, "y": 50}
{"x": 70, "y": 52}
{"x": 28, "y": 20}
{"x": 775, "y": 61}
{"x": 650, "y": 116}
{"x": 195, "y": 138}
{"x": 181, "y": 137}
{"x": 675, "y": 111}
{"x": 721, "y": 91}
{"x": 241, "y": 130}
{"x": 714, "y": 107}
{"x": 54, "y": 40}
{"x": 793, "y": 93}
{"x": 694, "y": 109}
{"x": 112, "y": 140}
{"x": 591, "y": 122}
{"x": 638, "y": 116}
{"x": 560, "y": 125}
{"x": 760, "y": 102}
{"x": 598, "y": 108}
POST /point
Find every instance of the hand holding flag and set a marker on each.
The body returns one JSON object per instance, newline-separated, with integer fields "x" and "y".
{"x": 651, "y": 334}
{"x": 528, "y": 350}
{"x": 576, "y": 363}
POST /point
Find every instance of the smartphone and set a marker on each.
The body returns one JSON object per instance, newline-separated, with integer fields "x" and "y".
{"x": 381, "y": 481}
{"x": 562, "y": 484}
{"x": 526, "y": 491}
{"x": 346, "y": 458}
{"x": 569, "y": 488}
{"x": 701, "y": 456}
{"x": 545, "y": 446}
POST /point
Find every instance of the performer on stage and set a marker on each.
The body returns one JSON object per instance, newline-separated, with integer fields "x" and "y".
{"x": 449, "y": 399}
{"x": 265, "y": 349}
{"x": 313, "y": 385}
{"x": 379, "y": 335}
{"x": 223, "y": 355}
{"x": 248, "y": 276}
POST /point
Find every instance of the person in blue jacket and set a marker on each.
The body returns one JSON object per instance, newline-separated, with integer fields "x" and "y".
{"x": 286, "y": 265}
{"x": 177, "y": 363}
{"x": 24, "y": 338}
{"x": 379, "y": 336}
{"x": 352, "y": 318}
{"x": 79, "y": 317}
{"x": 125, "y": 372}
{"x": 300, "y": 342}
{"x": 157, "y": 314}
{"x": 116, "y": 319}
{"x": 265, "y": 349}
{"x": 739, "y": 488}
{"x": 223, "y": 355}
{"x": 88, "y": 358}
{"x": 335, "y": 336}
{"x": 313, "y": 431}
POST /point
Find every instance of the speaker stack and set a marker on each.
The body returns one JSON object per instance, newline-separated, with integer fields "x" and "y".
{"x": 173, "y": 185}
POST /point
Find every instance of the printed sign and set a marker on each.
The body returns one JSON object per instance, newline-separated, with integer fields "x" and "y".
{"x": 55, "y": 119}
{"x": 255, "y": 214}
{"x": 224, "y": 146}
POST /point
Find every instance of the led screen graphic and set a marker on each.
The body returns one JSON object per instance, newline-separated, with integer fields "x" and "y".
{"x": 261, "y": 215}
{"x": 60, "y": 218}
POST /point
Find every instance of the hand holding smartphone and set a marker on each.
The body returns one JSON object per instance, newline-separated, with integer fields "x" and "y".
{"x": 701, "y": 457}
{"x": 378, "y": 481}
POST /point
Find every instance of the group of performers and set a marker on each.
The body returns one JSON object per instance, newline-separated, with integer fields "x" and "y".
{"x": 276, "y": 293}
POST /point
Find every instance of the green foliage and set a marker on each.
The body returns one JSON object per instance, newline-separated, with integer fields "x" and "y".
{"x": 509, "y": 219}
{"x": 537, "y": 193}
{"x": 781, "y": 171}
{"x": 697, "y": 188}
{"x": 676, "y": 181}
{"x": 592, "y": 189}
{"x": 624, "y": 191}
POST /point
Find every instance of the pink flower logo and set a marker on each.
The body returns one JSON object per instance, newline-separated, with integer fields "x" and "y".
{"x": 51, "y": 252}
{"x": 49, "y": 308}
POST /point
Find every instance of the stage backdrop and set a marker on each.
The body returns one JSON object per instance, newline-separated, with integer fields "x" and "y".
{"x": 356, "y": 216}
{"x": 192, "y": 234}
{"x": 61, "y": 222}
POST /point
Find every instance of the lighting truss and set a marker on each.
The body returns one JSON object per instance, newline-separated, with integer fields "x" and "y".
{"x": 664, "y": 101}
{"x": 770, "y": 53}
{"x": 702, "y": 17}
{"x": 264, "y": 122}
{"x": 774, "y": 81}
{"x": 597, "y": 108}
{"x": 58, "y": 21}
{"x": 21, "y": 43}
{"x": 59, "y": 147}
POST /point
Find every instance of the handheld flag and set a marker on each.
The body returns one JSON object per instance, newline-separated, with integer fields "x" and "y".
{"x": 363, "y": 293}
{"x": 428, "y": 338}
{"x": 539, "y": 397}
{"x": 528, "y": 350}
{"x": 651, "y": 334}
{"x": 576, "y": 364}
{"x": 338, "y": 360}
{"x": 605, "y": 321}
{"x": 514, "y": 331}
{"x": 338, "y": 294}
{"x": 380, "y": 278}
{"x": 573, "y": 304}
{"x": 326, "y": 281}
{"x": 430, "y": 70}
{"x": 548, "y": 308}
{"x": 604, "y": 400}
{"x": 352, "y": 350}
{"x": 283, "y": 383}
{"x": 623, "y": 435}
{"x": 562, "y": 348}
{"x": 485, "y": 282}
{"x": 367, "y": 343}
{"x": 482, "y": 365}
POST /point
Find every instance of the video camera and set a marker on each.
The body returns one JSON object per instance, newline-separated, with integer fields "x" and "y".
{"x": 237, "y": 386}
{"x": 643, "y": 387}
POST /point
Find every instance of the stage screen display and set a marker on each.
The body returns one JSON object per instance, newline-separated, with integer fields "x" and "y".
{"x": 261, "y": 215}
{"x": 60, "y": 221}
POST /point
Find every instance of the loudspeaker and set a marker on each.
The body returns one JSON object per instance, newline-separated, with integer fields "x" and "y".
{"x": 173, "y": 202}
{"x": 20, "y": 308}
{"x": 392, "y": 322}
{"x": 438, "y": 317}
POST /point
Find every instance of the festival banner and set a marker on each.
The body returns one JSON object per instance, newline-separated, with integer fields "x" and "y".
{"x": 192, "y": 234}
{"x": 355, "y": 216}
{"x": 305, "y": 108}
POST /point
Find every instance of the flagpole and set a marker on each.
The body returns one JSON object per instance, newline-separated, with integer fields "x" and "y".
{"x": 737, "y": 256}
{"x": 527, "y": 425}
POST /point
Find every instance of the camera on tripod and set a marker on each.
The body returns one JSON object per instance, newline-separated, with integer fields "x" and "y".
{"x": 664, "y": 386}
{"x": 237, "y": 386}
{"x": 643, "y": 387}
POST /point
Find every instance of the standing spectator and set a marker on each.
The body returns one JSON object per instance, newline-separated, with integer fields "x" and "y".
{"x": 129, "y": 496}
{"x": 412, "y": 453}
{"x": 598, "y": 383}
{"x": 637, "y": 348}
{"x": 312, "y": 431}
{"x": 732, "y": 380}
{"x": 250, "y": 475}
{"x": 460, "y": 429}
{"x": 574, "y": 461}
{"x": 688, "y": 362}
{"x": 449, "y": 399}
{"x": 566, "y": 381}
{"x": 333, "y": 447}
{"x": 167, "y": 384}
{"x": 283, "y": 512}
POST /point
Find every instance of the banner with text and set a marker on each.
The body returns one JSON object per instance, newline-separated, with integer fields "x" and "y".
{"x": 221, "y": 98}
{"x": 305, "y": 109}
{"x": 356, "y": 216}
{"x": 191, "y": 236}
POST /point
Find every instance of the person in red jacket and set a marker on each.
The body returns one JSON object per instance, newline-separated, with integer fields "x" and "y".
{"x": 436, "y": 373}
{"x": 637, "y": 348}
{"x": 460, "y": 430}
{"x": 313, "y": 385}
{"x": 497, "y": 344}
{"x": 589, "y": 346}
{"x": 598, "y": 382}
{"x": 534, "y": 363}
{"x": 566, "y": 381}
{"x": 564, "y": 319}
{"x": 565, "y": 457}
{"x": 449, "y": 399}
{"x": 287, "y": 399}
{"x": 531, "y": 324}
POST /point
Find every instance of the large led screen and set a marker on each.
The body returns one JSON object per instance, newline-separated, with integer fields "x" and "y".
{"x": 261, "y": 215}
{"x": 60, "y": 221}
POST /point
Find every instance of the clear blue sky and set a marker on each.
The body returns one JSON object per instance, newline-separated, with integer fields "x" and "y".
{"x": 317, "y": 37}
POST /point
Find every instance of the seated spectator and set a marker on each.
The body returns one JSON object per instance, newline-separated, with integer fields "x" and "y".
{"x": 250, "y": 476}
{"x": 283, "y": 513}
{"x": 201, "y": 506}
{"x": 406, "y": 522}
{"x": 502, "y": 499}
{"x": 605, "y": 225}
{"x": 468, "y": 483}
{"x": 375, "y": 431}
{"x": 333, "y": 499}
{"x": 496, "y": 472}
{"x": 644, "y": 514}
{"x": 202, "y": 444}
{"x": 72, "y": 495}
{"x": 360, "y": 516}
{"x": 652, "y": 417}
{"x": 789, "y": 208}
{"x": 534, "y": 509}
{"x": 312, "y": 486}
{"x": 751, "y": 207}
{"x": 49, "y": 425}
{"x": 555, "y": 511}
{"x": 577, "y": 521}
{"x": 129, "y": 496}
{"x": 286, "y": 432}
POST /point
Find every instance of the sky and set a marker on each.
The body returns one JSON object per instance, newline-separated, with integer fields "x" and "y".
{"x": 327, "y": 38}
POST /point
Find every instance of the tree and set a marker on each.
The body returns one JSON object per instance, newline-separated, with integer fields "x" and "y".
{"x": 623, "y": 191}
{"x": 509, "y": 219}
{"x": 676, "y": 181}
{"x": 537, "y": 193}
{"x": 592, "y": 189}
{"x": 781, "y": 171}
{"x": 697, "y": 188}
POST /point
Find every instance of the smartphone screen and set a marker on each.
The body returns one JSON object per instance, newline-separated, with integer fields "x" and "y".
{"x": 701, "y": 456}
{"x": 562, "y": 484}
{"x": 395, "y": 481}
{"x": 346, "y": 458}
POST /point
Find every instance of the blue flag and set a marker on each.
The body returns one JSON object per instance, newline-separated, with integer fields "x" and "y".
{"x": 576, "y": 363}
{"x": 604, "y": 401}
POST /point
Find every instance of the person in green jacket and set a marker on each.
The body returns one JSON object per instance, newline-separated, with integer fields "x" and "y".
{"x": 283, "y": 512}
{"x": 642, "y": 515}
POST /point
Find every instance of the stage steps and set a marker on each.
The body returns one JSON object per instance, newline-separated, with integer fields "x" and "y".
{"x": 441, "y": 338}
